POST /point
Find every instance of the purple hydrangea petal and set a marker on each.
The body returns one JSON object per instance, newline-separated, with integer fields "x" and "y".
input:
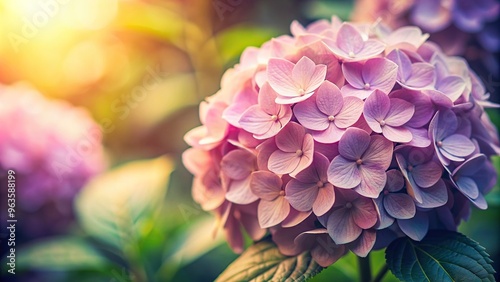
{"x": 434, "y": 196}
{"x": 399, "y": 205}
{"x": 468, "y": 187}
{"x": 380, "y": 73}
{"x": 329, "y": 99}
{"x": 430, "y": 15}
{"x": 308, "y": 114}
{"x": 397, "y": 134}
{"x": 426, "y": 175}
{"x": 385, "y": 220}
{"x": 341, "y": 227}
{"x": 354, "y": 143}
{"x": 377, "y": 105}
{"x": 457, "y": 146}
{"x": 301, "y": 195}
{"x": 379, "y": 152}
{"x": 266, "y": 185}
{"x": 364, "y": 244}
{"x": 344, "y": 173}
{"x": 350, "y": 112}
{"x": 373, "y": 180}
{"x": 395, "y": 180}
{"x": 399, "y": 113}
{"x": 416, "y": 228}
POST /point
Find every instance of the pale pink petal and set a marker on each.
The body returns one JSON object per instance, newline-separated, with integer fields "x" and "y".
{"x": 349, "y": 39}
{"x": 371, "y": 48}
{"x": 361, "y": 93}
{"x": 240, "y": 193}
{"x": 379, "y": 152}
{"x": 373, "y": 180}
{"x": 283, "y": 163}
{"x": 307, "y": 155}
{"x": 419, "y": 137}
{"x": 308, "y": 114}
{"x": 422, "y": 76}
{"x": 397, "y": 134}
{"x": 279, "y": 73}
{"x": 452, "y": 86}
{"x": 272, "y": 213}
{"x": 330, "y": 135}
{"x": 317, "y": 78}
{"x": 294, "y": 218}
{"x": 243, "y": 100}
{"x": 399, "y": 113}
{"x": 266, "y": 99}
{"x": 324, "y": 200}
{"x": 350, "y": 112}
{"x": 288, "y": 100}
{"x": 256, "y": 121}
{"x": 329, "y": 99}
{"x": 302, "y": 72}
{"x": 403, "y": 62}
{"x": 380, "y": 73}
{"x": 266, "y": 185}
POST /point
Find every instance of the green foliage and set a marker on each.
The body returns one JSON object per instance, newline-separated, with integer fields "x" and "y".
{"x": 61, "y": 253}
{"x": 440, "y": 256}
{"x": 263, "y": 262}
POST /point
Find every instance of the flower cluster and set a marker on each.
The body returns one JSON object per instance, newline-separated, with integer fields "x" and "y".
{"x": 342, "y": 138}
{"x": 452, "y": 23}
{"x": 53, "y": 148}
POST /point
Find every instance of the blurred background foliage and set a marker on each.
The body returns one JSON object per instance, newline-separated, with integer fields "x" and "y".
{"x": 141, "y": 67}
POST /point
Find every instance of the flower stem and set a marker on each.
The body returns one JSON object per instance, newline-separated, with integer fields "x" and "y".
{"x": 381, "y": 273}
{"x": 364, "y": 269}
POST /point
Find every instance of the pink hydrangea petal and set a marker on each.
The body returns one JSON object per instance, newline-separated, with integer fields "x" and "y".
{"x": 380, "y": 73}
{"x": 290, "y": 138}
{"x": 283, "y": 163}
{"x": 266, "y": 185}
{"x": 303, "y": 71}
{"x": 371, "y": 48}
{"x": 331, "y": 134}
{"x": 397, "y": 134}
{"x": 376, "y": 108}
{"x": 364, "y": 213}
{"x": 266, "y": 99}
{"x": 243, "y": 100}
{"x": 316, "y": 171}
{"x": 423, "y": 106}
{"x": 364, "y": 244}
{"x": 349, "y": 39}
{"x": 353, "y": 74}
{"x": 403, "y": 62}
{"x": 399, "y": 205}
{"x": 354, "y": 143}
{"x": 240, "y": 193}
{"x": 301, "y": 195}
{"x": 373, "y": 180}
{"x": 308, "y": 114}
{"x": 234, "y": 235}
{"x": 251, "y": 224}
{"x": 307, "y": 154}
{"x": 279, "y": 73}
{"x": 399, "y": 113}
{"x": 361, "y": 93}
{"x": 264, "y": 152}
{"x": 343, "y": 173}
{"x": 272, "y": 213}
{"x": 422, "y": 76}
{"x": 341, "y": 227}
{"x": 324, "y": 200}
{"x": 379, "y": 152}
{"x": 329, "y": 99}
{"x": 256, "y": 121}
{"x": 350, "y": 112}
{"x": 326, "y": 254}
{"x": 294, "y": 218}
{"x": 285, "y": 100}
{"x": 238, "y": 164}
{"x": 416, "y": 228}
{"x": 320, "y": 54}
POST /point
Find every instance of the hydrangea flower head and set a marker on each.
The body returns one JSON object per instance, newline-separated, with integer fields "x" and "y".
{"x": 53, "y": 147}
{"x": 338, "y": 135}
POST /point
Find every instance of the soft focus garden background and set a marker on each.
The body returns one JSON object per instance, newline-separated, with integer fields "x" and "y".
{"x": 141, "y": 68}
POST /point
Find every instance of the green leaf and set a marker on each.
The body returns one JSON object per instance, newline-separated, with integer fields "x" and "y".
{"x": 61, "y": 253}
{"x": 115, "y": 207}
{"x": 440, "y": 256}
{"x": 263, "y": 262}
